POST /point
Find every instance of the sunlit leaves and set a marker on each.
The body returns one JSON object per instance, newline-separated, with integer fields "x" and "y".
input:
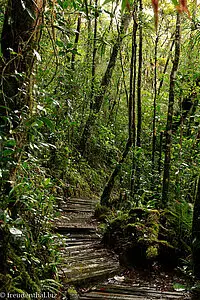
{"x": 38, "y": 122}
{"x": 68, "y": 3}
{"x": 37, "y": 55}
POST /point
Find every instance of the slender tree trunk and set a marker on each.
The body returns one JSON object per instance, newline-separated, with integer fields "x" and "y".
{"x": 134, "y": 53}
{"x": 154, "y": 104}
{"x": 166, "y": 175}
{"x": 139, "y": 83}
{"x": 94, "y": 56}
{"x": 131, "y": 126}
{"x": 136, "y": 164}
{"x": 77, "y": 35}
{"x": 124, "y": 78}
{"x": 89, "y": 34}
{"x": 160, "y": 153}
{"x": 98, "y": 98}
{"x": 165, "y": 67}
{"x": 109, "y": 186}
{"x": 131, "y": 107}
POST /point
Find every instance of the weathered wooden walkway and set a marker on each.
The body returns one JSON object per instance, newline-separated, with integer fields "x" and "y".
{"x": 86, "y": 261}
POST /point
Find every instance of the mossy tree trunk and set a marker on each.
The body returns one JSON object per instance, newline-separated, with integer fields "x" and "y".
{"x": 19, "y": 44}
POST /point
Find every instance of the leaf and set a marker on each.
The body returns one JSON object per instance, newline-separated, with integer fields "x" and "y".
{"x": 31, "y": 14}
{"x": 11, "y": 143}
{"x": 8, "y": 152}
{"x": 47, "y": 181}
{"x": 107, "y": 1}
{"x": 40, "y": 107}
{"x": 179, "y": 287}
{"x": 23, "y": 5}
{"x": 37, "y": 55}
{"x": 6, "y": 107}
{"x": 38, "y": 123}
{"x": 48, "y": 122}
{"x": 59, "y": 43}
{"x": 175, "y": 2}
{"x": 15, "y": 231}
{"x": 16, "y": 187}
{"x": 63, "y": 4}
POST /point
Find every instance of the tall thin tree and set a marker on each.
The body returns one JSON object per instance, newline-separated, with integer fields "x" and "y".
{"x": 154, "y": 103}
{"x": 131, "y": 114}
{"x": 77, "y": 35}
{"x": 99, "y": 96}
{"x": 168, "y": 132}
{"x": 139, "y": 79}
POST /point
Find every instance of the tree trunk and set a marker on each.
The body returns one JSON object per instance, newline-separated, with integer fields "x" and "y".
{"x": 131, "y": 108}
{"x": 136, "y": 164}
{"x": 139, "y": 83}
{"x": 165, "y": 67}
{"x": 98, "y": 98}
{"x": 131, "y": 126}
{"x": 94, "y": 56}
{"x": 77, "y": 35}
{"x": 166, "y": 175}
{"x": 160, "y": 153}
{"x": 109, "y": 186}
{"x": 19, "y": 43}
{"x": 154, "y": 104}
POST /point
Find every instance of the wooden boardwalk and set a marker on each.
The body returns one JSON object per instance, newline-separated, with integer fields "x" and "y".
{"x": 84, "y": 257}
{"x": 86, "y": 262}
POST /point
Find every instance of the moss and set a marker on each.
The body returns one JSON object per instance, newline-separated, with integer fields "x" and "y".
{"x": 152, "y": 252}
{"x": 137, "y": 231}
{"x": 71, "y": 290}
{"x": 72, "y": 293}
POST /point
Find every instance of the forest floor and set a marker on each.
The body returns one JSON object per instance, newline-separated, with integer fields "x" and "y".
{"x": 89, "y": 271}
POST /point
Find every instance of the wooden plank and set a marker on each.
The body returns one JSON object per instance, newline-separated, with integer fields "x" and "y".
{"x": 134, "y": 289}
{"x": 87, "y": 276}
{"x": 127, "y": 296}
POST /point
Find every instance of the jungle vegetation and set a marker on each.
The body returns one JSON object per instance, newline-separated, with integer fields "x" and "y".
{"x": 98, "y": 99}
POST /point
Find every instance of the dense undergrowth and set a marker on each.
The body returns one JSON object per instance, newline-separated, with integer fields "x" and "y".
{"x": 46, "y": 174}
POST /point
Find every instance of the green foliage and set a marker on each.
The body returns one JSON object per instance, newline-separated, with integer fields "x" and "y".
{"x": 30, "y": 249}
{"x": 51, "y": 167}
